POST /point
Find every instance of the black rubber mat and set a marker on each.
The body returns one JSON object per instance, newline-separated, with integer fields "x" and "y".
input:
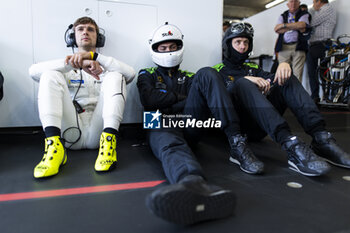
{"x": 265, "y": 202}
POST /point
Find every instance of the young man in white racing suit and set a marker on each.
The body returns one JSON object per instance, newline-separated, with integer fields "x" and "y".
{"x": 81, "y": 98}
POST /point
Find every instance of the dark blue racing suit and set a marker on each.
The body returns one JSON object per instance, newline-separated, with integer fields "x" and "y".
{"x": 200, "y": 96}
{"x": 260, "y": 114}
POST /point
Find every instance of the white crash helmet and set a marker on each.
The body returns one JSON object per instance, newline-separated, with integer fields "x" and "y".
{"x": 167, "y": 32}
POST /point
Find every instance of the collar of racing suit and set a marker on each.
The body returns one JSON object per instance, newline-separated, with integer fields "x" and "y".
{"x": 172, "y": 71}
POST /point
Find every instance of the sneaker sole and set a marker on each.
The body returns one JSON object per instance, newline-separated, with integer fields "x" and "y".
{"x": 239, "y": 164}
{"x": 295, "y": 168}
{"x": 64, "y": 159}
{"x": 336, "y": 164}
{"x": 112, "y": 167}
{"x": 186, "y": 207}
{"x": 329, "y": 161}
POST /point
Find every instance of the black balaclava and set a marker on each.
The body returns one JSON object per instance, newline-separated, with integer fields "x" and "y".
{"x": 234, "y": 57}
{"x": 231, "y": 56}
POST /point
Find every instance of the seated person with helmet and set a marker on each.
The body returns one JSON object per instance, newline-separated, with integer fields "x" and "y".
{"x": 189, "y": 198}
{"x": 82, "y": 96}
{"x": 261, "y": 98}
{"x": 200, "y": 96}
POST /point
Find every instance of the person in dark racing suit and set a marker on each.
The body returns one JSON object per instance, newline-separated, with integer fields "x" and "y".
{"x": 167, "y": 89}
{"x": 261, "y": 98}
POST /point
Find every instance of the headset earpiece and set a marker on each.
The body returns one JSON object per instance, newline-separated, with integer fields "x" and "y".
{"x": 101, "y": 39}
{"x": 69, "y": 37}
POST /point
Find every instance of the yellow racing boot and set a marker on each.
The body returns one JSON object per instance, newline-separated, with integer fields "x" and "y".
{"x": 107, "y": 154}
{"x": 54, "y": 156}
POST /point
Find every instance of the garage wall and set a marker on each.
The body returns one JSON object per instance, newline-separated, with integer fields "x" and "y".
{"x": 33, "y": 30}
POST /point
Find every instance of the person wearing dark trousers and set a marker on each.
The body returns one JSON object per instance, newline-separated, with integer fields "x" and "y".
{"x": 189, "y": 198}
{"x": 323, "y": 24}
{"x": 261, "y": 98}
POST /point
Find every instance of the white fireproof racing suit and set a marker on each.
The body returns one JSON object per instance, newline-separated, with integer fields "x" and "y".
{"x": 102, "y": 100}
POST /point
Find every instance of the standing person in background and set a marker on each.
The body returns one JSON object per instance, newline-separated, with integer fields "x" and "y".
{"x": 293, "y": 29}
{"x": 84, "y": 95}
{"x": 225, "y": 25}
{"x": 323, "y": 24}
{"x": 303, "y": 7}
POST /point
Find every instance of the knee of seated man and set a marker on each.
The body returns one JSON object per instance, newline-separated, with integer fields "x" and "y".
{"x": 244, "y": 83}
{"x": 50, "y": 76}
{"x": 243, "y": 87}
{"x": 293, "y": 80}
{"x": 207, "y": 74}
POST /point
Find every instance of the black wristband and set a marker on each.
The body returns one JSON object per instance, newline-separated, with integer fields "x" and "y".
{"x": 95, "y": 56}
